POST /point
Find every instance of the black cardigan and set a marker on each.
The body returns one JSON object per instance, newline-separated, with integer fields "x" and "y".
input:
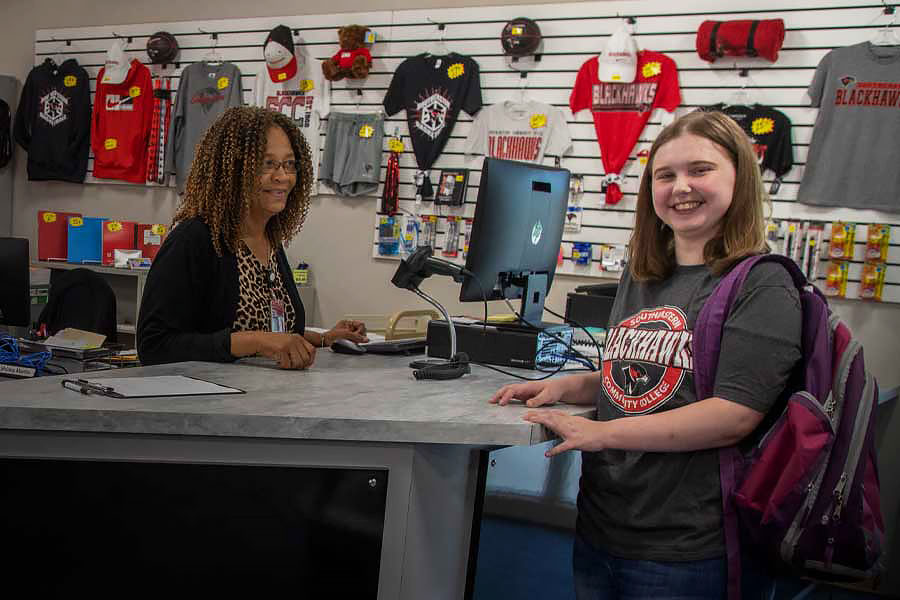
{"x": 191, "y": 298}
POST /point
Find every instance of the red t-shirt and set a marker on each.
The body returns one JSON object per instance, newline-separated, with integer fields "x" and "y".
{"x": 121, "y": 125}
{"x": 621, "y": 110}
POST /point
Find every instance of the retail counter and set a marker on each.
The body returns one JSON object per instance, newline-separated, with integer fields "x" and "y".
{"x": 413, "y": 445}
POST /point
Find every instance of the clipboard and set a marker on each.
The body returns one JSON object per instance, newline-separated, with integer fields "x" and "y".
{"x": 147, "y": 387}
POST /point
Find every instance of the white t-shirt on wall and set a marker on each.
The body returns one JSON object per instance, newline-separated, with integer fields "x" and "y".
{"x": 524, "y": 132}
{"x": 306, "y": 98}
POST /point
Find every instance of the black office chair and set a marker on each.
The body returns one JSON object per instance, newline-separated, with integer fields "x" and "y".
{"x": 82, "y": 299}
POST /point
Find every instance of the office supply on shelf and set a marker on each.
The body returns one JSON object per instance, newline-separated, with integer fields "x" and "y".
{"x": 146, "y": 387}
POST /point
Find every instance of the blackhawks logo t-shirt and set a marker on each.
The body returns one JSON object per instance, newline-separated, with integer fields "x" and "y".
{"x": 667, "y": 505}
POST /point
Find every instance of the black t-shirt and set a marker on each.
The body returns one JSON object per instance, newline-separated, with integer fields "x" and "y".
{"x": 667, "y": 505}
{"x": 433, "y": 89}
{"x": 769, "y": 130}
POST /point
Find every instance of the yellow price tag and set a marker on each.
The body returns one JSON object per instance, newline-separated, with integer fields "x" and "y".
{"x": 517, "y": 30}
{"x": 76, "y": 222}
{"x": 281, "y": 77}
{"x": 307, "y": 85}
{"x": 616, "y": 77}
{"x": 651, "y": 69}
{"x": 134, "y": 91}
{"x": 114, "y": 226}
{"x": 460, "y": 178}
{"x": 49, "y": 217}
{"x": 110, "y": 143}
{"x": 366, "y": 131}
{"x": 383, "y": 221}
{"x": 70, "y": 81}
{"x": 396, "y": 145}
{"x": 223, "y": 82}
{"x": 158, "y": 230}
{"x": 455, "y": 70}
{"x": 538, "y": 121}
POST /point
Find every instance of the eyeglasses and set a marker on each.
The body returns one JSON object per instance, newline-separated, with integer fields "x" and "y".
{"x": 270, "y": 166}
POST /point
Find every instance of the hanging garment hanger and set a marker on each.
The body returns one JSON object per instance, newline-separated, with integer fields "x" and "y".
{"x": 740, "y": 97}
{"x": 440, "y": 46}
{"x": 212, "y": 56}
{"x": 523, "y": 84}
{"x": 887, "y": 35}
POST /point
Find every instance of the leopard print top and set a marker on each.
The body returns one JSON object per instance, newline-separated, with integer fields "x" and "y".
{"x": 254, "y": 306}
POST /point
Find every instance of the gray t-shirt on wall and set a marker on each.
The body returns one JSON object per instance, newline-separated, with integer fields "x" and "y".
{"x": 667, "y": 505}
{"x": 205, "y": 90}
{"x": 855, "y": 147}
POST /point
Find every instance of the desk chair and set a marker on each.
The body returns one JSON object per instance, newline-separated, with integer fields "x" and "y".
{"x": 82, "y": 299}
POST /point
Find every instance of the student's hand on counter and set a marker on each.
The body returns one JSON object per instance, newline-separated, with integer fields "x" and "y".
{"x": 571, "y": 390}
{"x": 290, "y": 350}
{"x": 355, "y": 331}
{"x": 577, "y": 433}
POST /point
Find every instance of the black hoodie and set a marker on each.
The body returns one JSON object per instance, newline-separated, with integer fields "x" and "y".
{"x": 53, "y": 121}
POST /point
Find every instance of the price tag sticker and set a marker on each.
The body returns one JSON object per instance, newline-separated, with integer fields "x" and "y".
{"x": 460, "y": 178}
{"x": 455, "y": 70}
{"x": 76, "y": 222}
{"x": 49, "y": 217}
{"x": 396, "y": 145}
{"x": 366, "y": 131}
{"x": 158, "y": 230}
{"x": 70, "y": 81}
{"x": 110, "y": 143}
{"x": 307, "y": 85}
{"x": 134, "y": 91}
{"x": 538, "y": 121}
{"x": 114, "y": 226}
{"x": 222, "y": 83}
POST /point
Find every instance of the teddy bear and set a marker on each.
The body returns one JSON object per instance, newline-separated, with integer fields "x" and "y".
{"x": 353, "y": 60}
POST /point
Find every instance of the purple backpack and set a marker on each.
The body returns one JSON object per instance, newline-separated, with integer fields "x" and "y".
{"x": 806, "y": 496}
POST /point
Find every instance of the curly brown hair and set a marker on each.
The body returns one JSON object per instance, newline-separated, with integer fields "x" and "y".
{"x": 651, "y": 251}
{"x": 225, "y": 175}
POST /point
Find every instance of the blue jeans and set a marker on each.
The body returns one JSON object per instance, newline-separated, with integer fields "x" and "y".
{"x": 600, "y": 576}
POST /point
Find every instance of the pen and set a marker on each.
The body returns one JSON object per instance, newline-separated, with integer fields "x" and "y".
{"x": 85, "y": 387}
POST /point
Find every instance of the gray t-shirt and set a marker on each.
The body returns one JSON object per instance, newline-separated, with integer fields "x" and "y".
{"x": 205, "y": 90}
{"x": 667, "y": 505}
{"x": 852, "y": 160}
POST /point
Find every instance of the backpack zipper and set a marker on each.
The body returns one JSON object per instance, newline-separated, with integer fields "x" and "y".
{"x": 857, "y": 441}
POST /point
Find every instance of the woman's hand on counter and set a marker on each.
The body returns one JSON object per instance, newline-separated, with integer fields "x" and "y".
{"x": 289, "y": 350}
{"x": 574, "y": 389}
{"x": 577, "y": 433}
{"x": 355, "y": 331}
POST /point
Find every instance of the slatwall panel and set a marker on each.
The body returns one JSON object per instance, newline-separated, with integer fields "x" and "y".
{"x": 572, "y": 34}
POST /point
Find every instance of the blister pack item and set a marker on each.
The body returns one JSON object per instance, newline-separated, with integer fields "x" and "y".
{"x": 573, "y": 219}
{"x": 427, "y": 230}
{"x": 878, "y": 242}
{"x": 581, "y": 254}
{"x": 612, "y": 258}
{"x": 410, "y": 234}
{"x": 388, "y": 238}
{"x": 452, "y": 187}
{"x": 843, "y": 236}
{"x": 871, "y": 282}
{"x": 836, "y": 279}
{"x": 810, "y": 264}
{"x": 468, "y": 237}
{"x": 451, "y": 237}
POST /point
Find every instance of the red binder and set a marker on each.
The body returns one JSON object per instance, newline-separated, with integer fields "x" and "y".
{"x": 150, "y": 238}
{"x": 53, "y": 228}
{"x": 117, "y": 235}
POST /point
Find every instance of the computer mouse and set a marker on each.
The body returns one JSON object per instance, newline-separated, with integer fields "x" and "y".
{"x": 345, "y": 346}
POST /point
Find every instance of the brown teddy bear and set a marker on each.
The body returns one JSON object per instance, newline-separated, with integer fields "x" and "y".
{"x": 353, "y": 60}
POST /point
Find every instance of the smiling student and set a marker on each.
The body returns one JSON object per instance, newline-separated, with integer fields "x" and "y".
{"x": 649, "y": 505}
{"x": 220, "y": 287}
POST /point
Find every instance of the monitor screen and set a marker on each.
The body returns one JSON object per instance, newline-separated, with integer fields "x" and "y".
{"x": 15, "y": 291}
{"x": 516, "y": 233}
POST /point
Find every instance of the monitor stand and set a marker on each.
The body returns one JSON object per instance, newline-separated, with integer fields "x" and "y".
{"x": 534, "y": 292}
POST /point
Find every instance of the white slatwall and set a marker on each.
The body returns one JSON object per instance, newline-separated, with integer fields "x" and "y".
{"x": 572, "y": 33}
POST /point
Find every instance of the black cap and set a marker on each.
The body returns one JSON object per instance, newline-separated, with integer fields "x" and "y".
{"x": 520, "y": 37}
{"x": 162, "y": 47}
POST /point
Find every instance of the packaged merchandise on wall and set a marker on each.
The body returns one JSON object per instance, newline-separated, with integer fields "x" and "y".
{"x": 427, "y": 230}
{"x": 432, "y": 90}
{"x": 877, "y": 243}
{"x": 582, "y": 253}
{"x": 205, "y": 90}
{"x": 388, "y": 236}
{"x": 53, "y": 121}
{"x": 871, "y": 282}
{"x": 123, "y": 113}
{"x": 159, "y": 130}
{"x": 452, "y": 186}
{"x": 572, "y": 223}
{"x": 451, "y": 237}
{"x": 856, "y": 91}
{"x": 843, "y": 238}
{"x": 612, "y": 257}
{"x": 836, "y": 279}
{"x": 468, "y": 237}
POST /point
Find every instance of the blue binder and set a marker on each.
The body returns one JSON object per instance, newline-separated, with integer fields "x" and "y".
{"x": 85, "y": 239}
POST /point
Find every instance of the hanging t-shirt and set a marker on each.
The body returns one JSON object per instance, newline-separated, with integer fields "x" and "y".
{"x": 769, "y": 130}
{"x": 204, "y": 92}
{"x": 667, "y": 505}
{"x": 853, "y": 154}
{"x": 305, "y": 98}
{"x": 53, "y": 121}
{"x": 621, "y": 110}
{"x": 432, "y": 89}
{"x": 121, "y": 125}
{"x": 522, "y": 132}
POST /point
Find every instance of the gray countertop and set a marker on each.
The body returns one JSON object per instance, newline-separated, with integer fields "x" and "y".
{"x": 351, "y": 398}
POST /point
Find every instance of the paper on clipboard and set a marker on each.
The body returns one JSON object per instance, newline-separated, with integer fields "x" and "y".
{"x": 142, "y": 387}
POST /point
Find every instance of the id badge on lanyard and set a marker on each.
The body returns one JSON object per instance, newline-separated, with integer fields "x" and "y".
{"x": 276, "y": 309}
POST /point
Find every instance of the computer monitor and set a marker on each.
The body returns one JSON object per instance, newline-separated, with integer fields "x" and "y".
{"x": 15, "y": 290}
{"x": 516, "y": 234}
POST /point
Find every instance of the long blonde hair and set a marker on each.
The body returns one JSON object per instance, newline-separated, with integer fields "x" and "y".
{"x": 225, "y": 174}
{"x": 651, "y": 252}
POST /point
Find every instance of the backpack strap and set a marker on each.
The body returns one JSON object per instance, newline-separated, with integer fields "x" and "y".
{"x": 706, "y": 346}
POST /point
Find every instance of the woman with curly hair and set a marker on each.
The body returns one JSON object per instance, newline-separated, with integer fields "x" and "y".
{"x": 220, "y": 287}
